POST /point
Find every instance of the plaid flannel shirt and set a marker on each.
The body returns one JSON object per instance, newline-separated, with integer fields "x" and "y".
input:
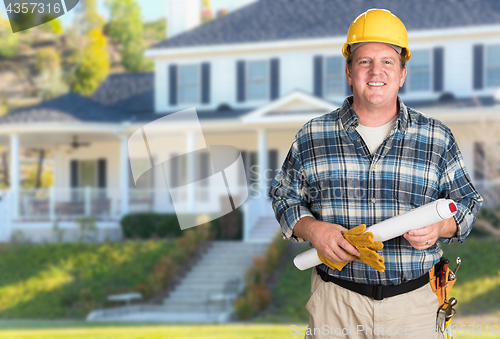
{"x": 329, "y": 174}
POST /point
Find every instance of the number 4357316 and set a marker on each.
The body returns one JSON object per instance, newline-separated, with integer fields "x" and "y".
{"x": 33, "y": 7}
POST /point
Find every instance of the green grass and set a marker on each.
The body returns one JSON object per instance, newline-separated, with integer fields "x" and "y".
{"x": 68, "y": 280}
{"x": 83, "y": 330}
{"x": 28, "y": 330}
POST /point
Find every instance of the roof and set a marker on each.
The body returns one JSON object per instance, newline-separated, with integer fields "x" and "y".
{"x": 69, "y": 107}
{"x": 271, "y": 20}
{"x": 130, "y": 92}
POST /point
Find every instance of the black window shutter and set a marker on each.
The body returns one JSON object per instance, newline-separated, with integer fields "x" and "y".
{"x": 438, "y": 69}
{"x": 74, "y": 173}
{"x": 240, "y": 81}
{"x": 172, "y": 82}
{"x": 205, "y": 83}
{"x": 101, "y": 173}
{"x": 478, "y": 66}
{"x": 318, "y": 75}
{"x": 275, "y": 78}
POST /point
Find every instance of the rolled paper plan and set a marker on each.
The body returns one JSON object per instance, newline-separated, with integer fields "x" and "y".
{"x": 425, "y": 215}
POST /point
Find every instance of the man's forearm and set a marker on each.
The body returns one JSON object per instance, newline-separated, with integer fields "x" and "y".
{"x": 304, "y": 228}
{"x": 449, "y": 228}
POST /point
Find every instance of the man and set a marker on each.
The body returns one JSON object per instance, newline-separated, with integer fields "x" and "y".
{"x": 369, "y": 160}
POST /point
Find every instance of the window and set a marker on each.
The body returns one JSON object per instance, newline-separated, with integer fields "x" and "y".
{"x": 419, "y": 71}
{"x": 257, "y": 80}
{"x": 334, "y": 76}
{"x": 88, "y": 173}
{"x": 189, "y": 84}
{"x": 493, "y": 66}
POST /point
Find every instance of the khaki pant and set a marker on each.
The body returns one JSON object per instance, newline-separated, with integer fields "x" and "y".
{"x": 335, "y": 312}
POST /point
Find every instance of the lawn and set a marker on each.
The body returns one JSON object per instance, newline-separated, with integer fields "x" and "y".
{"x": 82, "y": 330}
{"x": 68, "y": 280}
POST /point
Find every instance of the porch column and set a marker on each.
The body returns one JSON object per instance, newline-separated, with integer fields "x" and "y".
{"x": 14, "y": 174}
{"x": 191, "y": 170}
{"x": 124, "y": 175}
{"x": 263, "y": 167}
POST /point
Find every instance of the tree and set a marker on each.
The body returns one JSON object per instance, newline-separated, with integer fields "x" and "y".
{"x": 93, "y": 66}
{"x": 91, "y": 62}
{"x": 125, "y": 26}
{"x": 8, "y": 41}
{"x": 50, "y": 75}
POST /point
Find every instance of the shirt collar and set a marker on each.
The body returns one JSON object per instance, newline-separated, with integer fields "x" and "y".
{"x": 349, "y": 119}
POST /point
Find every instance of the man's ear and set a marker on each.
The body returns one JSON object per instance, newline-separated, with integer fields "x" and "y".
{"x": 348, "y": 75}
{"x": 403, "y": 77}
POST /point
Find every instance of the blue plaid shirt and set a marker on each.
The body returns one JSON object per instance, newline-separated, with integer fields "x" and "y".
{"x": 329, "y": 174}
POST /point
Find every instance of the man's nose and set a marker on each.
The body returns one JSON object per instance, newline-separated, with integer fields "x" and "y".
{"x": 376, "y": 68}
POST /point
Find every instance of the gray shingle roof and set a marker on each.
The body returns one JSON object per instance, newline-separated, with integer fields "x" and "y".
{"x": 130, "y": 92}
{"x": 269, "y": 20}
{"x": 70, "y": 107}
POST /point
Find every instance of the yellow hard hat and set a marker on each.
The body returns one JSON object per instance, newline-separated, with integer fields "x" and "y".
{"x": 378, "y": 25}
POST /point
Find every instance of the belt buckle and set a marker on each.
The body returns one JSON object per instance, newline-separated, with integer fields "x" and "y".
{"x": 378, "y": 292}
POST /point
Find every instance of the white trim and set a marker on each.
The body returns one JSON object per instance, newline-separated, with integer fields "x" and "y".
{"x": 292, "y": 44}
{"x": 259, "y": 114}
{"x": 241, "y": 48}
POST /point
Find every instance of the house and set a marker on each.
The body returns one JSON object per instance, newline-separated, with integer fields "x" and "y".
{"x": 255, "y": 77}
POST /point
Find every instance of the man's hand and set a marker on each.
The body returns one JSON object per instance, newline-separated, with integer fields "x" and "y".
{"x": 326, "y": 238}
{"x": 426, "y": 237}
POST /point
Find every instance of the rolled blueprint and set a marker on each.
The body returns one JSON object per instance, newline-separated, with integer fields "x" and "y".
{"x": 425, "y": 215}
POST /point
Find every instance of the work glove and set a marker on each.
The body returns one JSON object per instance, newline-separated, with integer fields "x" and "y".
{"x": 365, "y": 245}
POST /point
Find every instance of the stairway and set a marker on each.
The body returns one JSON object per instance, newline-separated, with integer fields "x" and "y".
{"x": 264, "y": 230}
{"x": 198, "y": 295}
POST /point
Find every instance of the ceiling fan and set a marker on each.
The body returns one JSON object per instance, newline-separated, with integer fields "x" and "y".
{"x": 77, "y": 144}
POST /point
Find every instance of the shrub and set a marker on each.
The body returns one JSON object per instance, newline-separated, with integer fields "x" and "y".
{"x": 148, "y": 225}
{"x": 257, "y": 292}
{"x": 244, "y": 306}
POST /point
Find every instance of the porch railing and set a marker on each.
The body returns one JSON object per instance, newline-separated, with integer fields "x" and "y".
{"x": 50, "y": 204}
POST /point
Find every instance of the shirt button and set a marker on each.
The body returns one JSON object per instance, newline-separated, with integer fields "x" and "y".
{"x": 374, "y": 200}
{"x": 359, "y": 140}
{"x": 374, "y": 167}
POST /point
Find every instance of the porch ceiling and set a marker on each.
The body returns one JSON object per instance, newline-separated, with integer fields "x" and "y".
{"x": 50, "y": 139}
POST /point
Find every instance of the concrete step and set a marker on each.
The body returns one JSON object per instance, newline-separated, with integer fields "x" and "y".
{"x": 223, "y": 261}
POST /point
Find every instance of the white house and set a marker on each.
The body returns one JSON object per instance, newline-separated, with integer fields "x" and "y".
{"x": 255, "y": 77}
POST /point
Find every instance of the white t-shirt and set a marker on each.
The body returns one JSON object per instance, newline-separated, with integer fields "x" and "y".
{"x": 375, "y": 136}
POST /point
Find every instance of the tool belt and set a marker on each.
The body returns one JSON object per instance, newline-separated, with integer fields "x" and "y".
{"x": 441, "y": 292}
{"x": 377, "y": 292}
{"x": 442, "y": 279}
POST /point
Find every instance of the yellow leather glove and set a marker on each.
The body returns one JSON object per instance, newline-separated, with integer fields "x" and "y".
{"x": 365, "y": 245}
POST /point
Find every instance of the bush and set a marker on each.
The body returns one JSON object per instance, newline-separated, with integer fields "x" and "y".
{"x": 244, "y": 306}
{"x": 257, "y": 292}
{"x": 150, "y": 225}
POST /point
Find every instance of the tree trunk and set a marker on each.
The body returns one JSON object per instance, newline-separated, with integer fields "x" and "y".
{"x": 5, "y": 165}
{"x": 38, "y": 181}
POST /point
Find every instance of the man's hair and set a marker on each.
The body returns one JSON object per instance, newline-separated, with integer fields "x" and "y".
{"x": 402, "y": 62}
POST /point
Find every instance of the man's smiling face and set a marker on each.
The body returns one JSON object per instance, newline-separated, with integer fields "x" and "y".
{"x": 375, "y": 75}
